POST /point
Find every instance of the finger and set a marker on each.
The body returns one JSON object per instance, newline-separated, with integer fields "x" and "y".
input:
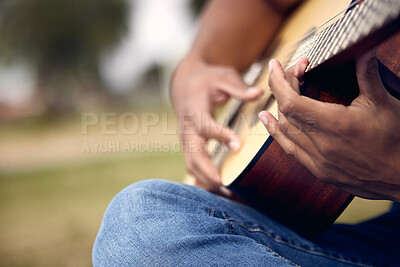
{"x": 199, "y": 163}
{"x": 294, "y": 132}
{"x": 209, "y": 129}
{"x": 204, "y": 164}
{"x": 222, "y": 191}
{"x": 233, "y": 85}
{"x": 203, "y": 182}
{"x": 288, "y": 126}
{"x": 368, "y": 78}
{"x": 299, "y": 107}
{"x": 303, "y": 133}
{"x": 208, "y": 174}
{"x": 247, "y": 94}
{"x": 329, "y": 174}
{"x": 286, "y": 96}
{"x": 311, "y": 161}
{"x": 295, "y": 74}
{"x": 290, "y": 148}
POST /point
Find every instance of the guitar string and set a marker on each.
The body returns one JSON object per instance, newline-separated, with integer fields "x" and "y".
{"x": 296, "y": 45}
{"x": 235, "y": 108}
{"x": 329, "y": 20}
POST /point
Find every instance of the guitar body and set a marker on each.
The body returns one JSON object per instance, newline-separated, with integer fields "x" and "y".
{"x": 277, "y": 185}
{"x": 261, "y": 173}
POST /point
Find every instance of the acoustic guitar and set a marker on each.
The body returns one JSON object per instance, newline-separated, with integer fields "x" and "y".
{"x": 331, "y": 34}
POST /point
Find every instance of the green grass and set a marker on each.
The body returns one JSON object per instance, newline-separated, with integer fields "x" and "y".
{"x": 50, "y": 216}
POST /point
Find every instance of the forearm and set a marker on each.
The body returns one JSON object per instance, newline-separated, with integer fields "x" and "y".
{"x": 235, "y": 32}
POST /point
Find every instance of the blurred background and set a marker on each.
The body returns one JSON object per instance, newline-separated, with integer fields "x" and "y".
{"x": 69, "y": 70}
{"x": 60, "y": 60}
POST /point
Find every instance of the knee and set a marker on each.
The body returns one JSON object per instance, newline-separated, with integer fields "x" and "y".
{"x": 124, "y": 219}
{"x": 143, "y": 194}
{"x": 138, "y": 198}
{"x": 146, "y": 185}
{"x": 137, "y": 192}
{"x": 146, "y": 218}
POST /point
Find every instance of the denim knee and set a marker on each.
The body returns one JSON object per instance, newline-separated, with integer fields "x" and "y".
{"x": 138, "y": 206}
{"x": 113, "y": 238}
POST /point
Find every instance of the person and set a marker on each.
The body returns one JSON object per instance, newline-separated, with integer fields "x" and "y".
{"x": 161, "y": 223}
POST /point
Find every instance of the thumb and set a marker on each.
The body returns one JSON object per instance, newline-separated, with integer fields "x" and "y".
{"x": 368, "y": 78}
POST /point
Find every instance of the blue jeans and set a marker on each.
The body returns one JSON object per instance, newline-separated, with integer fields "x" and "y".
{"x": 160, "y": 223}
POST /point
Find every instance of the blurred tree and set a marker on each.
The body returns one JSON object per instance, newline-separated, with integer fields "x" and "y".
{"x": 63, "y": 41}
{"x": 197, "y": 5}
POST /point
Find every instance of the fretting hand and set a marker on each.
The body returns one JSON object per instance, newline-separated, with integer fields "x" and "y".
{"x": 356, "y": 147}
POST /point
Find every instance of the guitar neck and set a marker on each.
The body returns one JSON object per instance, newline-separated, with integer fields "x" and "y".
{"x": 361, "y": 28}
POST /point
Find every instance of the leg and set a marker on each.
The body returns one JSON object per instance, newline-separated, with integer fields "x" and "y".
{"x": 376, "y": 241}
{"x": 159, "y": 223}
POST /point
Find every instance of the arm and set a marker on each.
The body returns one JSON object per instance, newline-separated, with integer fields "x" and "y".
{"x": 235, "y": 32}
{"x": 232, "y": 34}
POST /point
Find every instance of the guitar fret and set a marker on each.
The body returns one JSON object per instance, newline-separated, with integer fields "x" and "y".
{"x": 372, "y": 17}
{"x": 363, "y": 25}
{"x": 324, "y": 49}
{"x": 345, "y": 22}
{"x": 339, "y": 37}
{"x": 328, "y": 42}
{"x": 368, "y": 20}
{"x": 323, "y": 46}
{"x": 320, "y": 48}
{"x": 301, "y": 50}
{"x": 336, "y": 33}
{"x": 312, "y": 50}
{"x": 352, "y": 28}
{"x": 317, "y": 47}
{"x": 354, "y": 25}
{"x": 346, "y": 29}
{"x": 310, "y": 46}
{"x": 368, "y": 23}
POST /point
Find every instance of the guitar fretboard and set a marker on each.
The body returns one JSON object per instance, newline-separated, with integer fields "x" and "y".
{"x": 362, "y": 20}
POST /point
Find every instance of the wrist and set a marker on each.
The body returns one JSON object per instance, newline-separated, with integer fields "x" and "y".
{"x": 181, "y": 77}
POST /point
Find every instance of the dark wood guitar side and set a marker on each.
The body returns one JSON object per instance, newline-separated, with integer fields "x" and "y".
{"x": 288, "y": 189}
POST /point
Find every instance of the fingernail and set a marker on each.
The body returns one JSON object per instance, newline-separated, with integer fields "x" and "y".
{"x": 270, "y": 65}
{"x": 253, "y": 89}
{"x": 263, "y": 118}
{"x": 234, "y": 145}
